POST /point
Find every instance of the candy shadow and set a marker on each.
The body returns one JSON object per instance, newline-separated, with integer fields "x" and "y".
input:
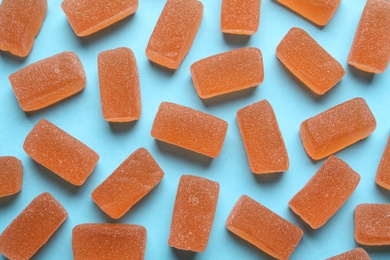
{"x": 307, "y": 230}
{"x": 382, "y": 191}
{"x": 183, "y": 254}
{"x": 12, "y": 59}
{"x": 7, "y": 200}
{"x": 118, "y": 128}
{"x": 236, "y": 39}
{"x": 268, "y": 178}
{"x": 229, "y": 97}
{"x": 363, "y": 76}
{"x": 385, "y": 249}
{"x": 165, "y": 70}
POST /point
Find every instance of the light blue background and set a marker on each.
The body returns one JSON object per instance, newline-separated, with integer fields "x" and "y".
{"x": 81, "y": 116}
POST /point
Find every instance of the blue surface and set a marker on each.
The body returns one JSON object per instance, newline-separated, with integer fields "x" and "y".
{"x": 81, "y": 116}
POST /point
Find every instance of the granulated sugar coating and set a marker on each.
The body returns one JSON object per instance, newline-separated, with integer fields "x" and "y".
{"x": 308, "y": 61}
{"x": 48, "y": 81}
{"x": 119, "y": 85}
{"x": 193, "y": 213}
{"x": 337, "y": 128}
{"x": 189, "y": 128}
{"x": 372, "y": 225}
{"x": 89, "y": 16}
{"x": 355, "y": 254}
{"x": 240, "y": 16}
{"x": 370, "y": 49}
{"x": 262, "y": 139}
{"x": 228, "y": 72}
{"x": 108, "y": 241}
{"x": 129, "y": 183}
{"x": 317, "y": 11}
{"x": 34, "y": 226}
{"x": 60, "y": 152}
{"x": 263, "y": 228}
{"x": 383, "y": 173}
{"x": 325, "y": 193}
{"x": 20, "y": 22}
{"x": 11, "y": 175}
{"x": 174, "y": 32}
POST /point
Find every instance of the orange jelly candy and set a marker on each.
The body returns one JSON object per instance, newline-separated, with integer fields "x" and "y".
{"x": 240, "y": 16}
{"x": 119, "y": 85}
{"x": 108, "y": 241}
{"x": 11, "y": 175}
{"x": 128, "y": 184}
{"x": 370, "y": 49}
{"x": 308, "y": 61}
{"x": 372, "y": 227}
{"x": 60, "y": 152}
{"x": 174, "y": 32}
{"x": 337, "y": 128}
{"x": 29, "y": 231}
{"x": 322, "y": 197}
{"x": 189, "y": 128}
{"x": 193, "y": 213}
{"x": 357, "y": 253}
{"x": 89, "y": 16}
{"x": 20, "y": 22}
{"x": 262, "y": 139}
{"x": 48, "y": 81}
{"x": 318, "y": 11}
{"x": 227, "y": 72}
{"x": 263, "y": 228}
{"x": 383, "y": 173}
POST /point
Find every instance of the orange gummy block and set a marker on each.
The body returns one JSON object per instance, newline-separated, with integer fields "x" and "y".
{"x": 262, "y": 139}
{"x": 383, "y": 173}
{"x": 317, "y": 11}
{"x": 337, "y": 128}
{"x": 174, "y": 32}
{"x": 189, "y": 128}
{"x": 370, "y": 49}
{"x": 240, "y": 16}
{"x": 228, "y": 72}
{"x": 20, "y": 22}
{"x": 193, "y": 213}
{"x": 263, "y": 228}
{"x": 48, "y": 81}
{"x": 119, "y": 85}
{"x": 60, "y": 152}
{"x": 128, "y": 184}
{"x": 308, "y": 61}
{"x": 357, "y": 254}
{"x": 108, "y": 241}
{"x": 11, "y": 175}
{"x": 89, "y": 16}
{"x": 372, "y": 226}
{"x": 322, "y": 197}
{"x": 34, "y": 226}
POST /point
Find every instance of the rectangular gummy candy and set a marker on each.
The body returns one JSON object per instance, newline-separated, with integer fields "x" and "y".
{"x": 240, "y": 16}
{"x": 383, "y": 173}
{"x": 372, "y": 225}
{"x": 357, "y": 253}
{"x": 119, "y": 85}
{"x": 108, "y": 241}
{"x": 11, "y": 175}
{"x": 174, "y": 32}
{"x": 308, "y": 61}
{"x": 34, "y": 226}
{"x": 48, "y": 81}
{"x": 89, "y": 16}
{"x": 189, "y": 128}
{"x": 317, "y": 11}
{"x": 370, "y": 49}
{"x": 60, "y": 152}
{"x": 262, "y": 139}
{"x": 263, "y": 228}
{"x": 129, "y": 183}
{"x": 20, "y": 22}
{"x": 322, "y": 197}
{"x": 193, "y": 213}
{"x": 337, "y": 128}
{"x": 228, "y": 72}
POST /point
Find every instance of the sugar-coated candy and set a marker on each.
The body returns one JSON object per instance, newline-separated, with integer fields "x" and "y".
{"x": 11, "y": 175}
{"x": 193, "y": 213}
{"x": 263, "y": 228}
{"x": 129, "y": 183}
{"x": 240, "y": 16}
{"x": 60, "y": 152}
{"x": 383, "y": 173}
{"x": 355, "y": 254}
